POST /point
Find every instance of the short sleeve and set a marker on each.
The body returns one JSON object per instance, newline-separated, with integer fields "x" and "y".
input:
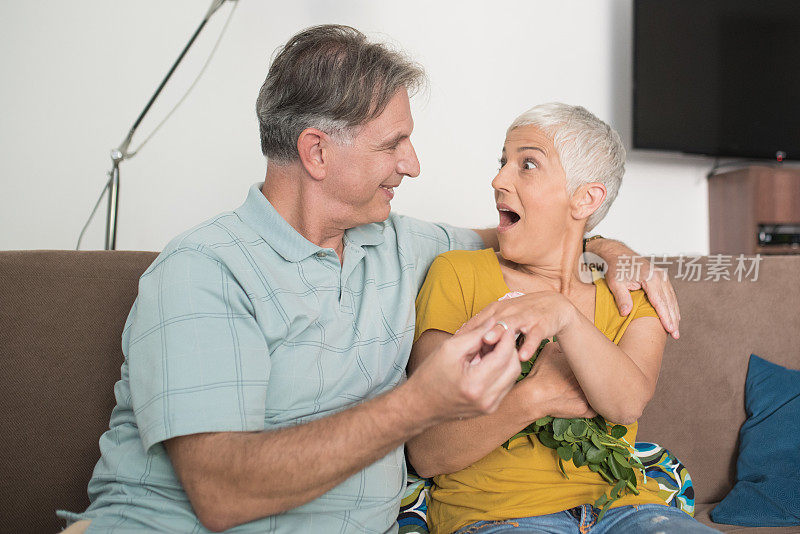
{"x": 428, "y": 240}
{"x": 644, "y": 308}
{"x": 440, "y": 303}
{"x": 197, "y": 358}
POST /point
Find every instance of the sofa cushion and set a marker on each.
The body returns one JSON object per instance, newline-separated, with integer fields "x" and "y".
{"x": 698, "y": 406}
{"x": 767, "y": 490}
{"x": 61, "y": 319}
{"x": 702, "y": 514}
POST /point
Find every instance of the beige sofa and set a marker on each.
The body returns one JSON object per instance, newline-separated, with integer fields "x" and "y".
{"x": 62, "y": 313}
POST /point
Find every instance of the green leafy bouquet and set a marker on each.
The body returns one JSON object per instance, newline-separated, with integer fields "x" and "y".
{"x": 587, "y": 442}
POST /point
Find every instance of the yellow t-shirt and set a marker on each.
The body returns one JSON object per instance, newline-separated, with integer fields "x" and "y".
{"x": 524, "y": 480}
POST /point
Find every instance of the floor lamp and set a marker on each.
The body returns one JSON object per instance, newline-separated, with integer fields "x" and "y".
{"x": 120, "y": 154}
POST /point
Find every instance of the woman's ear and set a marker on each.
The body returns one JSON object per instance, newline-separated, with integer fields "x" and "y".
{"x": 587, "y": 199}
{"x": 312, "y": 147}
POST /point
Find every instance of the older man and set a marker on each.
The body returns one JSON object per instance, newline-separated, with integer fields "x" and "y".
{"x": 264, "y": 388}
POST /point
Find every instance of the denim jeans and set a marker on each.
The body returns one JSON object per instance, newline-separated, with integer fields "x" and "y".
{"x": 639, "y": 519}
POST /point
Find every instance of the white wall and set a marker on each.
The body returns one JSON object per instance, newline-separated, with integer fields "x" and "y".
{"x": 76, "y": 74}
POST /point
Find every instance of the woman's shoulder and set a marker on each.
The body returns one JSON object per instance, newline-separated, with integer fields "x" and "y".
{"x": 456, "y": 287}
{"x": 468, "y": 260}
{"x": 474, "y": 274}
{"x": 607, "y": 305}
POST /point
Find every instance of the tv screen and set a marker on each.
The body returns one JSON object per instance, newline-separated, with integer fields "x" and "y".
{"x": 717, "y": 77}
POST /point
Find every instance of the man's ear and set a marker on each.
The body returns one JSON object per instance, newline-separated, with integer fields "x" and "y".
{"x": 312, "y": 147}
{"x": 587, "y": 199}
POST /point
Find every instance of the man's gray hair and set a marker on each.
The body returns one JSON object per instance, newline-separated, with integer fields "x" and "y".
{"x": 331, "y": 78}
{"x": 589, "y": 149}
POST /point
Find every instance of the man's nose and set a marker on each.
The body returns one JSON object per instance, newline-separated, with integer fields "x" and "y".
{"x": 409, "y": 163}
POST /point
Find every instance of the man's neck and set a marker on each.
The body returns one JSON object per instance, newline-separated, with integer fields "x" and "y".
{"x": 286, "y": 188}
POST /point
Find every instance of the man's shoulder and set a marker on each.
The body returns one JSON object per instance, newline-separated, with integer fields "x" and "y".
{"x": 444, "y": 236}
{"x": 213, "y": 239}
{"x": 220, "y": 229}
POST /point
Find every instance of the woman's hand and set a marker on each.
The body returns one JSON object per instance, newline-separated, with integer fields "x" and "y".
{"x": 538, "y": 315}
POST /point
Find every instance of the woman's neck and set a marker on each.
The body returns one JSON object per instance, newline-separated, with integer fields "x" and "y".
{"x": 556, "y": 270}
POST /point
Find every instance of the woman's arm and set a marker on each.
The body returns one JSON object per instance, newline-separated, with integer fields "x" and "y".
{"x": 550, "y": 389}
{"x": 618, "y": 380}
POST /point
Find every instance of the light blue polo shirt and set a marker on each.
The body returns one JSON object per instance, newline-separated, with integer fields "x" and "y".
{"x": 241, "y": 324}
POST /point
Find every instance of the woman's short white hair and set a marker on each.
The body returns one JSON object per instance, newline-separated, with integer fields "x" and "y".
{"x": 589, "y": 149}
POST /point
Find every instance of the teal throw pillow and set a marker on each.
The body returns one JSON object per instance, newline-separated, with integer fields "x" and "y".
{"x": 767, "y": 489}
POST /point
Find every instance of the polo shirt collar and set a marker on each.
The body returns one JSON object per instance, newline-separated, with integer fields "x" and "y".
{"x": 258, "y": 213}
{"x": 366, "y": 234}
{"x": 261, "y": 216}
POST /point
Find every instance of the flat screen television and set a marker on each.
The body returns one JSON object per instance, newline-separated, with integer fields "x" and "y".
{"x": 717, "y": 77}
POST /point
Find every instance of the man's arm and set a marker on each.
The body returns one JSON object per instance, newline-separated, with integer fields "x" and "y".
{"x": 236, "y": 477}
{"x": 233, "y": 478}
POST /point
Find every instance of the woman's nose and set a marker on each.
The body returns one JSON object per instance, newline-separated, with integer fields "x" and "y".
{"x": 500, "y": 181}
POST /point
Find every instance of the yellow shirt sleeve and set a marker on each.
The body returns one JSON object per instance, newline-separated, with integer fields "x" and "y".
{"x": 644, "y": 309}
{"x": 440, "y": 303}
{"x": 607, "y": 318}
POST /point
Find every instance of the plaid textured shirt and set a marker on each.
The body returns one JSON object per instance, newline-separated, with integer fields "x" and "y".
{"x": 241, "y": 324}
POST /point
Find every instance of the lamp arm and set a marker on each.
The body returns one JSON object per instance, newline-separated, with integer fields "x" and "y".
{"x": 121, "y": 153}
{"x": 123, "y": 147}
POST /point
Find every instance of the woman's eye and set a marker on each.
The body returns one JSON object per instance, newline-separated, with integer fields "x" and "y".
{"x": 528, "y": 164}
{"x": 502, "y": 162}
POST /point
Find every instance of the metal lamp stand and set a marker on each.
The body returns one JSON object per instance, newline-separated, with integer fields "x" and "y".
{"x": 120, "y": 154}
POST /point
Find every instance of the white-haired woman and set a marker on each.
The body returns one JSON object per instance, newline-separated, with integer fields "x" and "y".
{"x": 560, "y": 170}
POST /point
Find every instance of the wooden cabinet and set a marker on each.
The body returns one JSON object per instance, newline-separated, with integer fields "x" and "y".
{"x": 754, "y": 200}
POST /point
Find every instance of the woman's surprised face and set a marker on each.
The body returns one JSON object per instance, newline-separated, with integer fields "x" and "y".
{"x": 530, "y": 190}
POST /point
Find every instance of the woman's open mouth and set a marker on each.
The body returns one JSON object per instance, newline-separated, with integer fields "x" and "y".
{"x": 508, "y": 217}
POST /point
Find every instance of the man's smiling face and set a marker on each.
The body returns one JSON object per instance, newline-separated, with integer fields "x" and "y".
{"x": 373, "y": 163}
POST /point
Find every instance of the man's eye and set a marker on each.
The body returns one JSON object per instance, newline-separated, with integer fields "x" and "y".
{"x": 529, "y": 165}
{"x": 502, "y": 162}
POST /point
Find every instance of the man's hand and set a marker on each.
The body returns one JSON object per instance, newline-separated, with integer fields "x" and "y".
{"x": 654, "y": 281}
{"x": 553, "y": 388}
{"x": 466, "y": 377}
